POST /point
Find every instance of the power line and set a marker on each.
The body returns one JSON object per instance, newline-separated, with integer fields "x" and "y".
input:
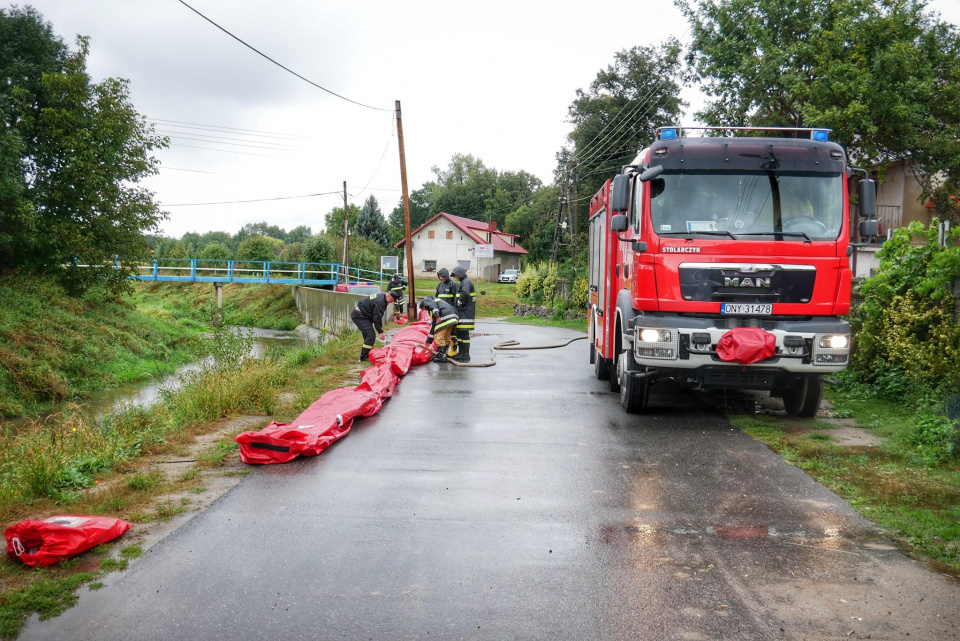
{"x": 257, "y": 200}
{"x": 232, "y": 144}
{"x": 195, "y": 171}
{"x": 226, "y": 151}
{"x": 287, "y": 69}
{"x": 197, "y": 125}
{"x": 387, "y": 146}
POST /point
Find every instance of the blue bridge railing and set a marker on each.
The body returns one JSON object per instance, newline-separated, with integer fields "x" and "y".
{"x": 199, "y": 270}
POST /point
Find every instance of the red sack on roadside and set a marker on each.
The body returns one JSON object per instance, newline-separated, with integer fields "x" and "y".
{"x": 746, "y": 345}
{"x": 401, "y": 319}
{"x": 379, "y": 379}
{"x": 51, "y": 540}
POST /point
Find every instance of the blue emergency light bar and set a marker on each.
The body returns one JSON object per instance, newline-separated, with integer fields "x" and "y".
{"x": 672, "y": 133}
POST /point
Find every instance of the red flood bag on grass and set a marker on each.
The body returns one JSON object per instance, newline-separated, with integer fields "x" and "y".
{"x": 746, "y": 345}
{"x": 51, "y": 540}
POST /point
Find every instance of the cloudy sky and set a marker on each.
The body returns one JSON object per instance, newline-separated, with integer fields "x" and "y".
{"x": 492, "y": 79}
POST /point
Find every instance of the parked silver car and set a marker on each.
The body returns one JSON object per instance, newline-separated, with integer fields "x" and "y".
{"x": 508, "y": 276}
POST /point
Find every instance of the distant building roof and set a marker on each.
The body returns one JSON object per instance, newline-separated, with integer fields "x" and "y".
{"x": 474, "y": 228}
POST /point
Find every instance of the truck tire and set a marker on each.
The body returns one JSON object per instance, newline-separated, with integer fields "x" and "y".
{"x": 601, "y": 367}
{"x": 612, "y": 374}
{"x": 803, "y": 399}
{"x": 634, "y": 392}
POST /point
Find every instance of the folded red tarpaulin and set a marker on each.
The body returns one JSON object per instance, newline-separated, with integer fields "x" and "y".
{"x": 746, "y": 345}
{"x": 330, "y": 417}
{"x": 51, "y": 540}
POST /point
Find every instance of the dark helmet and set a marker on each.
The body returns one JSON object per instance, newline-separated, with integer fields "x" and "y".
{"x": 398, "y": 280}
{"x": 458, "y": 273}
{"x": 429, "y": 303}
{"x": 443, "y": 274}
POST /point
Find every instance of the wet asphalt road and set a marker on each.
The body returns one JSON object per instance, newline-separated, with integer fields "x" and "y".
{"x": 521, "y": 502}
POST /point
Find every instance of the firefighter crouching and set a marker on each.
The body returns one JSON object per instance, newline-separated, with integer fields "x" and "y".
{"x": 444, "y": 317}
{"x": 446, "y": 288}
{"x": 368, "y": 317}
{"x": 467, "y": 310}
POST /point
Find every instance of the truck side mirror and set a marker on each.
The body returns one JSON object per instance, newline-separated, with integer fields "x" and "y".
{"x": 867, "y": 197}
{"x": 869, "y": 228}
{"x": 651, "y": 173}
{"x": 620, "y": 199}
{"x": 619, "y": 223}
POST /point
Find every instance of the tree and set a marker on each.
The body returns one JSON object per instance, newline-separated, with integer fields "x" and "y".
{"x": 333, "y": 220}
{"x": 299, "y": 234}
{"x": 618, "y": 115}
{"x": 72, "y": 153}
{"x": 883, "y": 74}
{"x": 370, "y": 223}
{"x": 419, "y": 211}
{"x": 259, "y": 248}
{"x": 320, "y": 249}
{"x": 216, "y": 251}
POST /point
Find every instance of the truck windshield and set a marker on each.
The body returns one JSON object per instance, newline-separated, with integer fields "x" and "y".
{"x": 762, "y": 205}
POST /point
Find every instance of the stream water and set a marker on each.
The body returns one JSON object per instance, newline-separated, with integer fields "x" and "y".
{"x": 147, "y": 392}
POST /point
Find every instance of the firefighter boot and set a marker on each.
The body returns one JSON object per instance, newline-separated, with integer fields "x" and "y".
{"x": 463, "y": 352}
{"x": 440, "y": 356}
{"x": 364, "y": 355}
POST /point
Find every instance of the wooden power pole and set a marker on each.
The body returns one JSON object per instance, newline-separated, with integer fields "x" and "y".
{"x": 346, "y": 237}
{"x": 408, "y": 244}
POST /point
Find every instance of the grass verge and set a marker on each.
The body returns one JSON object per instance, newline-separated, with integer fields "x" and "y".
{"x": 917, "y": 504}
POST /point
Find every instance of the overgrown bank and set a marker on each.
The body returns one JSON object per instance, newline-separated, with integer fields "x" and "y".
{"x": 55, "y": 348}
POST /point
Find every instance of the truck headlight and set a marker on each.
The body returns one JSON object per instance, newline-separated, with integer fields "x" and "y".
{"x": 831, "y": 349}
{"x": 656, "y": 342}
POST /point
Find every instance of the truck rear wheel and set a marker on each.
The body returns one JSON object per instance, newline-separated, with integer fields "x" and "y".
{"x": 634, "y": 391}
{"x": 803, "y": 399}
{"x": 612, "y": 373}
{"x": 601, "y": 365}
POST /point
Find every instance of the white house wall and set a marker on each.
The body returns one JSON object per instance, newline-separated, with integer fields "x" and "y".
{"x": 448, "y": 252}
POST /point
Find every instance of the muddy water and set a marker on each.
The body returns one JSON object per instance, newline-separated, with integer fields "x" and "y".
{"x": 148, "y": 392}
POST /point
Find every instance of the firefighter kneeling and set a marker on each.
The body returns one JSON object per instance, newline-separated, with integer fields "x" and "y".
{"x": 444, "y": 316}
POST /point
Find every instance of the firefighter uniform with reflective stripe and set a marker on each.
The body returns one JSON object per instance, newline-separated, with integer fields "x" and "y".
{"x": 444, "y": 317}
{"x": 467, "y": 309}
{"x": 446, "y": 288}
{"x": 368, "y": 317}
{"x": 397, "y": 285}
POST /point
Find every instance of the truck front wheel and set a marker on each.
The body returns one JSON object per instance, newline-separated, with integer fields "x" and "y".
{"x": 803, "y": 399}
{"x": 634, "y": 391}
{"x": 601, "y": 365}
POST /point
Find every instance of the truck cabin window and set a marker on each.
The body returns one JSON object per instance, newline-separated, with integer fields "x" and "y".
{"x": 748, "y": 205}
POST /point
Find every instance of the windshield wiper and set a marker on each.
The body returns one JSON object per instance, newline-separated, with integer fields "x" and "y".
{"x": 689, "y": 234}
{"x": 778, "y": 233}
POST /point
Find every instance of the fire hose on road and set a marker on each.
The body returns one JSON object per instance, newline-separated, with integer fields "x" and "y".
{"x": 508, "y": 345}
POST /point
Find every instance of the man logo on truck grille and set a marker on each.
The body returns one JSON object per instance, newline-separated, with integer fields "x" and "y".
{"x": 746, "y": 282}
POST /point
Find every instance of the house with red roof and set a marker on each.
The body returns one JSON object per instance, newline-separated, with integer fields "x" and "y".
{"x": 448, "y": 241}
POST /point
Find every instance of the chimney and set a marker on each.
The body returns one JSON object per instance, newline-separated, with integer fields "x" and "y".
{"x": 493, "y": 225}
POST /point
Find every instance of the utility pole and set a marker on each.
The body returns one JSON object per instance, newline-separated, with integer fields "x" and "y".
{"x": 346, "y": 237}
{"x": 408, "y": 244}
{"x": 556, "y": 232}
{"x": 572, "y": 212}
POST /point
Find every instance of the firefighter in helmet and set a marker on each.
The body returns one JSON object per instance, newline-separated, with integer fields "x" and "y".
{"x": 446, "y": 288}
{"x": 444, "y": 317}
{"x": 368, "y": 317}
{"x": 467, "y": 309}
{"x": 397, "y": 285}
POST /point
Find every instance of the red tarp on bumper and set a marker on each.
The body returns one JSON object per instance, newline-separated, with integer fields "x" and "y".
{"x": 329, "y": 418}
{"x": 51, "y": 540}
{"x": 746, "y": 345}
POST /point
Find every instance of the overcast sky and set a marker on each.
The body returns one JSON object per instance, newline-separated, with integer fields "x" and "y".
{"x": 492, "y": 79}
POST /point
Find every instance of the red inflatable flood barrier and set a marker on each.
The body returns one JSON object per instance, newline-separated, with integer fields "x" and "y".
{"x": 51, "y": 540}
{"x": 746, "y": 345}
{"x": 330, "y": 417}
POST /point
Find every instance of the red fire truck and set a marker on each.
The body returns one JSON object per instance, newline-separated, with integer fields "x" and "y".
{"x": 722, "y": 261}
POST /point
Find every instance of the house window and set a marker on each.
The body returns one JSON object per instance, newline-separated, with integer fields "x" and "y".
{"x": 449, "y": 235}
{"x": 430, "y": 265}
{"x": 465, "y": 264}
{"x": 430, "y": 234}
